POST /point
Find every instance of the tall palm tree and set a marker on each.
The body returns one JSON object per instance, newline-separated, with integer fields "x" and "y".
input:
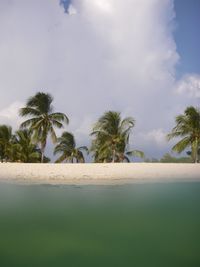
{"x": 111, "y": 138}
{"x": 43, "y": 120}
{"x": 188, "y": 128}
{"x": 67, "y": 148}
{"x": 6, "y": 143}
{"x": 27, "y": 152}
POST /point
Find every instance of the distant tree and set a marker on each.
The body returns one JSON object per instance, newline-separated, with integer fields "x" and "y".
{"x": 188, "y": 128}
{"x": 152, "y": 160}
{"x": 42, "y": 121}
{"x": 167, "y": 158}
{"x": 6, "y": 143}
{"x": 67, "y": 148}
{"x": 26, "y": 151}
{"x": 111, "y": 138}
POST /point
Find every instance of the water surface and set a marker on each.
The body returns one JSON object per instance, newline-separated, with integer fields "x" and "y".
{"x": 140, "y": 225}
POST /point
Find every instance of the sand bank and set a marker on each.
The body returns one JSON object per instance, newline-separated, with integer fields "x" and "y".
{"x": 97, "y": 173}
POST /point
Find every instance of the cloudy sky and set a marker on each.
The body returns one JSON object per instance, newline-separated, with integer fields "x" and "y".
{"x": 139, "y": 57}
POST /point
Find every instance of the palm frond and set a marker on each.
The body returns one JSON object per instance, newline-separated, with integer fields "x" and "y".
{"x": 136, "y": 153}
{"x": 127, "y": 124}
{"x": 58, "y": 124}
{"x": 53, "y": 135}
{"x": 60, "y": 117}
{"x": 188, "y": 127}
{"x": 182, "y": 145}
{"x": 84, "y": 148}
{"x": 29, "y": 123}
{"x": 42, "y": 102}
{"x": 29, "y": 111}
{"x": 126, "y": 159}
{"x": 61, "y": 158}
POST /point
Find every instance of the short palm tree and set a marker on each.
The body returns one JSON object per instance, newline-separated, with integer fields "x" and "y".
{"x": 27, "y": 152}
{"x": 111, "y": 138}
{"x": 43, "y": 120}
{"x": 6, "y": 143}
{"x": 67, "y": 148}
{"x": 188, "y": 128}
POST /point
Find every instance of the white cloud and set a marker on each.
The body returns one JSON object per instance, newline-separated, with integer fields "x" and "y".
{"x": 71, "y": 10}
{"x": 189, "y": 85}
{"x": 157, "y": 136}
{"x": 101, "y": 5}
{"x": 10, "y": 114}
{"x": 111, "y": 55}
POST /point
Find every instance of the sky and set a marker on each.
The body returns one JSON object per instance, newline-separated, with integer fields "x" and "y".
{"x": 138, "y": 57}
{"x": 187, "y": 35}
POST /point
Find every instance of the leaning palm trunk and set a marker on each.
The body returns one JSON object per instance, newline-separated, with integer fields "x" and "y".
{"x": 195, "y": 151}
{"x": 43, "y": 145}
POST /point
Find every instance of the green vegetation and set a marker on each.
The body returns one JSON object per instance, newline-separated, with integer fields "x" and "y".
{"x": 26, "y": 151}
{"x": 167, "y": 158}
{"x": 6, "y": 143}
{"x": 42, "y": 121}
{"x": 151, "y": 160}
{"x": 18, "y": 146}
{"x": 110, "y": 136}
{"x": 69, "y": 152}
{"x": 188, "y": 128}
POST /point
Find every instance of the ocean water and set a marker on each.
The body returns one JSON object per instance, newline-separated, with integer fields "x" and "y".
{"x": 140, "y": 225}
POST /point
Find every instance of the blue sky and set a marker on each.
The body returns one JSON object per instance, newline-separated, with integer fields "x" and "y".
{"x": 65, "y": 4}
{"x": 187, "y": 35}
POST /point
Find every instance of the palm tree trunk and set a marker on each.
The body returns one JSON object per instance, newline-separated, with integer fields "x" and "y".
{"x": 196, "y": 151}
{"x": 42, "y": 152}
{"x": 42, "y": 156}
{"x": 113, "y": 156}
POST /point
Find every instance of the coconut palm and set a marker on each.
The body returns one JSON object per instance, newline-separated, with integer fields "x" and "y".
{"x": 67, "y": 148}
{"x": 43, "y": 120}
{"x": 188, "y": 128}
{"x": 6, "y": 143}
{"x": 111, "y": 138}
{"x": 26, "y": 151}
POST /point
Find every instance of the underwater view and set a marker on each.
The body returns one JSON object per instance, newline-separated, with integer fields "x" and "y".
{"x": 140, "y": 225}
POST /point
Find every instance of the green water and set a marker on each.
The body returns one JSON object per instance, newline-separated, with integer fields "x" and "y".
{"x": 138, "y": 225}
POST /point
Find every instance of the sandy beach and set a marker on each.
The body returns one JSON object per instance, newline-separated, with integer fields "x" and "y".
{"x": 91, "y": 173}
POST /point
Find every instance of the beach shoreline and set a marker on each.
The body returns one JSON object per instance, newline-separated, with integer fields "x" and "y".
{"x": 98, "y": 174}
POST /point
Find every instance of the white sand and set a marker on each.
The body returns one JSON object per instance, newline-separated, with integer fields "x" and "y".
{"x": 117, "y": 173}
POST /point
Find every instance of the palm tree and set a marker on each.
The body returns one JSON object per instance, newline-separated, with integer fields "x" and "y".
{"x": 67, "y": 148}
{"x": 42, "y": 121}
{"x": 188, "y": 128}
{"x": 26, "y": 151}
{"x": 6, "y": 143}
{"x": 111, "y": 138}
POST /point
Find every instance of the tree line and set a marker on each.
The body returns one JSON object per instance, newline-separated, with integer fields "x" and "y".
{"x": 110, "y": 135}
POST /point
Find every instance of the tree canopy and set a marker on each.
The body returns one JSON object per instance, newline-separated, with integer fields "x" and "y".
{"x": 188, "y": 129}
{"x": 43, "y": 120}
{"x": 111, "y": 138}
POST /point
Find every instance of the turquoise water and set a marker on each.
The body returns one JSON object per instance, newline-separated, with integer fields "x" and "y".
{"x": 133, "y": 225}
